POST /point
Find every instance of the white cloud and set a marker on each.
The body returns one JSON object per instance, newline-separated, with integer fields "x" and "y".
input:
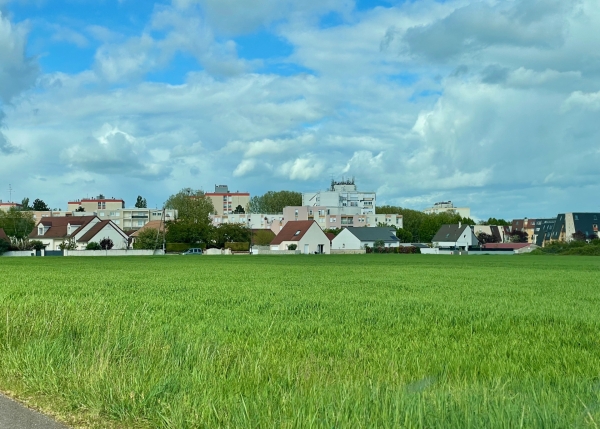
{"x": 309, "y": 167}
{"x": 589, "y": 101}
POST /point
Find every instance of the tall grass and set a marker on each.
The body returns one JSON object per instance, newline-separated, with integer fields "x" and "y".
{"x": 339, "y": 341}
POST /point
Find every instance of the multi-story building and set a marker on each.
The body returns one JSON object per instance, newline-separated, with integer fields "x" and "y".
{"x": 339, "y": 217}
{"x": 567, "y": 224}
{"x": 6, "y": 206}
{"x": 448, "y": 206}
{"x": 95, "y": 204}
{"x": 274, "y": 222}
{"x": 344, "y": 195}
{"x": 226, "y": 202}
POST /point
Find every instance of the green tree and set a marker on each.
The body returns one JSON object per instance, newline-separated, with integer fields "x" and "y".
{"x": 17, "y": 223}
{"x": 239, "y": 210}
{"x": 37, "y": 245}
{"x": 148, "y": 239}
{"x": 230, "y": 233}
{"x": 141, "y": 203}
{"x": 334, "y": 231}
{"x": 93, "y": 246}
{"x": 497, "y": 222}
{"x": 68, "y": 244}
{"x": 404, "y": 235}
{"x": 40, "y": 206}
{"x": 25, "y": 205}
{"x": 4, "y": 246}
{"x": 106, "y": 244}
{"x": 193, "y": 224}
{"x": 263, "y": 237}
{"x": 80, "y": 209}
{"x": 274, "y": 202}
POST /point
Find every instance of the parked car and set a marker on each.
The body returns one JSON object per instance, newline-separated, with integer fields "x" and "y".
{"x": 193, "y": 251}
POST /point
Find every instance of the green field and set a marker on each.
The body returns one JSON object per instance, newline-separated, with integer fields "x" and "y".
{"x": 371, "y": 341}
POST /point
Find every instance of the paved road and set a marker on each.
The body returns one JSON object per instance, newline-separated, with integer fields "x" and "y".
{"x": 15, "y": 416}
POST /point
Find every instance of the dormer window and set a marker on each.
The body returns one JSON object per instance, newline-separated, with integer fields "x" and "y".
{"x": 40, "y": 230}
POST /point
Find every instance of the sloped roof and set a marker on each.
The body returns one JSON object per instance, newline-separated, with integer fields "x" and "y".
{"x": 294, "y": 230}
{"x": 450, "y": 233}
{"x": 330, "y": 235}
{"x": 388, "y": 235}
{"x": 153, "y": 224}
{"x": 3, "y": 235}
{"x": 58, "y": 226}
{"x": 93, "y": 231}
{"x": 512, "y": 246}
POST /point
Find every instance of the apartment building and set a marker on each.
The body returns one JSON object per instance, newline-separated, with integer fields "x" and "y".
{"x": 340, "y": 217}
{"x": 6, "y": 206}
{"x": 448, "y": 206}
{"x": 226, "y": 202}
{"x": 343, "y": 194}
{"x": 274, "y": 222}
{"x": 95, "y": 204}
{"x": 568, "y": 224}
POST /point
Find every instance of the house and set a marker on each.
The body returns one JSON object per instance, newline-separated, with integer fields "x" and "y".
{"x": 53, "y": 231}
{"x": 307, "y": 235}
{"x": 498, "y": 232}
{"x": 354, "y": 238}
{"x": 455, "y": 237}
{"x": 567, "y": 224}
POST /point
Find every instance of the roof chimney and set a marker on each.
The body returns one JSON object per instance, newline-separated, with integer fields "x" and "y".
{"x": 459, "y": 224}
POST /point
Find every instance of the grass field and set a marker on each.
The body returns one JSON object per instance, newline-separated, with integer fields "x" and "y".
{"x": 371, "y": 341}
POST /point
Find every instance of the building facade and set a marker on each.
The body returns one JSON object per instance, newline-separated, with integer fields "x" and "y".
{"x": 345, "y": 195}
{"x": 226, "y": 202}
{"x": 338, "y": 217}
{"x": 448, "y": 206}
{"x": 6, "y": 206}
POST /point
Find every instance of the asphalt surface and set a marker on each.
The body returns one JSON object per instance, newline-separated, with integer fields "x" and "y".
{"x": 15, "y": 416}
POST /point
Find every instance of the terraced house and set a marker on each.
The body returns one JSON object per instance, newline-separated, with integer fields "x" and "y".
{"x": 568, "y": 224}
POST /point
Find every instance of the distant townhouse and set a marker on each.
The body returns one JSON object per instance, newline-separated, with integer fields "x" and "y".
{"x": 525, "y": 225}
{"x": 448, "y": 207}
{"x": 53, "y": 231}
{"x": 567, "y": 224}
{"x": 226, "y": 202}
{"x": 543, "y": 230}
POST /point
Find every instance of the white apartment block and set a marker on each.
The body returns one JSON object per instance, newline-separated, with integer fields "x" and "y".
{"x": 447, "y": 206}
{"x": 274, "y": 222}
{"x": 339, "y": 217}
{"x": 345, "y": 195}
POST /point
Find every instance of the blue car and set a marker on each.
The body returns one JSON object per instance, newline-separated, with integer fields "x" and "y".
{"x": 193, "y": 251}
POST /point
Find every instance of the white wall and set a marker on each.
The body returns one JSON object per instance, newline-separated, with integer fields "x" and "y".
{"x": 346, "y": 240}
{"x": 113, "y": 252}
{"x": 109, "y": 231}
{"x": 314, "y": 237}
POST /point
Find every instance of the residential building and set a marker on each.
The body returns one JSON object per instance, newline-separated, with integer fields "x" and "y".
{"x": 95, "y": 204}
{"x": 306, "y": 235}
{"x": 226, "y": 202}
{"x": 274, "y": 222}
{"x": 153, "y": 224}
{"x": 446, "y": 207}
{"x": 568, "y": 224}
{"x": 498, "y": 232}
{"x": 353, "y": 238}
{"x": 338, "y": 217}
{"x": 6, "y": 206}
{"x": 543, "y": 230}
{"x": 525, "y": 225}
{"x": 456, "y": 237}
{"x": 344, "y": 195}
{"x": 53, "y": 231}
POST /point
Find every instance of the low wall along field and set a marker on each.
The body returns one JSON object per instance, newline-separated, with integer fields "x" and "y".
{"x": 341, "y": 341}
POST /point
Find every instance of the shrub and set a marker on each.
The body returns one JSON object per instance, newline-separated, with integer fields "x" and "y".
{"x": 68, "y": 244}
{"x": 37, "y": 245}
{"x": 106, "y": 244}
{"x": 178, "y": 247}
{"x": 93, "y": 246}
{"x": 292, "y": 246}
{"x": 4, "y": 246}
{"x": 238, "y": 247}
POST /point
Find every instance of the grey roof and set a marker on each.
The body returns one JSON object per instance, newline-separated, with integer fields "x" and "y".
{"x": 388, "y": 235}
{"x": 449, "y": 233}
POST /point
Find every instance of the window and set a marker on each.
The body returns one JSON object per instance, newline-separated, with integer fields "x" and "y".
{"x": 576, "y": 217}
{"x": 140, "y": 223}
{"x": 41, "y": 230}
{"x": 332, "y": 219}
{"x": 297, "y": 233}
{"x": 101, "y": 214}
{"x": 114, "y": 214}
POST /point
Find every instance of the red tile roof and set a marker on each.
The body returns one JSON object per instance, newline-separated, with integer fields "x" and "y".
{"x": 330, "y": 235}
{"x": 513, "y": 246}
{"x": 93, "y": 231}
{"x": 58, "y": 226}
{"x": 294, "y": 230}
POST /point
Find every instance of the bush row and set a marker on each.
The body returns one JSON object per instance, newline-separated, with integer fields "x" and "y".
{"x": 401, "y": 249}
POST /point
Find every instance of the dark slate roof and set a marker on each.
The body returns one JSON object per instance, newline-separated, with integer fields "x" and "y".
{"x": 449, "y": 233}
{"x": 3, "y": 235}
{"x": 388, "y": 235}
{"x": 294, "y": 230}
{"x": 586, "y": 223}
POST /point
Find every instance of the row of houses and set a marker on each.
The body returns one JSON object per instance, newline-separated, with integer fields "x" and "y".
{"x": 561, "y": 228}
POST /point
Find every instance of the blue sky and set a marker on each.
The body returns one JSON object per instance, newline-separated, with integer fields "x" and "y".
{"x": 489, "y": 104}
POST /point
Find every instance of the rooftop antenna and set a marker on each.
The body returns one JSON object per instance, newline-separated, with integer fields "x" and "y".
{"x": 10, "y": 193}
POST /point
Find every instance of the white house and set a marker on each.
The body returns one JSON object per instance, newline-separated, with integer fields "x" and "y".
{"x": 455, "y": 237}
{"x": 307, "y": 235}
{"x": 355, "y": 238}
{"x": 53, "y": 231}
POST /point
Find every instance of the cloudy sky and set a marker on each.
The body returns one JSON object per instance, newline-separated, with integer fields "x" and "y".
{"x": 491, "y": 104}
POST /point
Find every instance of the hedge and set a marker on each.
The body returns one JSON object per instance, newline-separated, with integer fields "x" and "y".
{"x": 401, "y": 249}
{"x": 238, "y": 247}
{"x": 178, "y": 247}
